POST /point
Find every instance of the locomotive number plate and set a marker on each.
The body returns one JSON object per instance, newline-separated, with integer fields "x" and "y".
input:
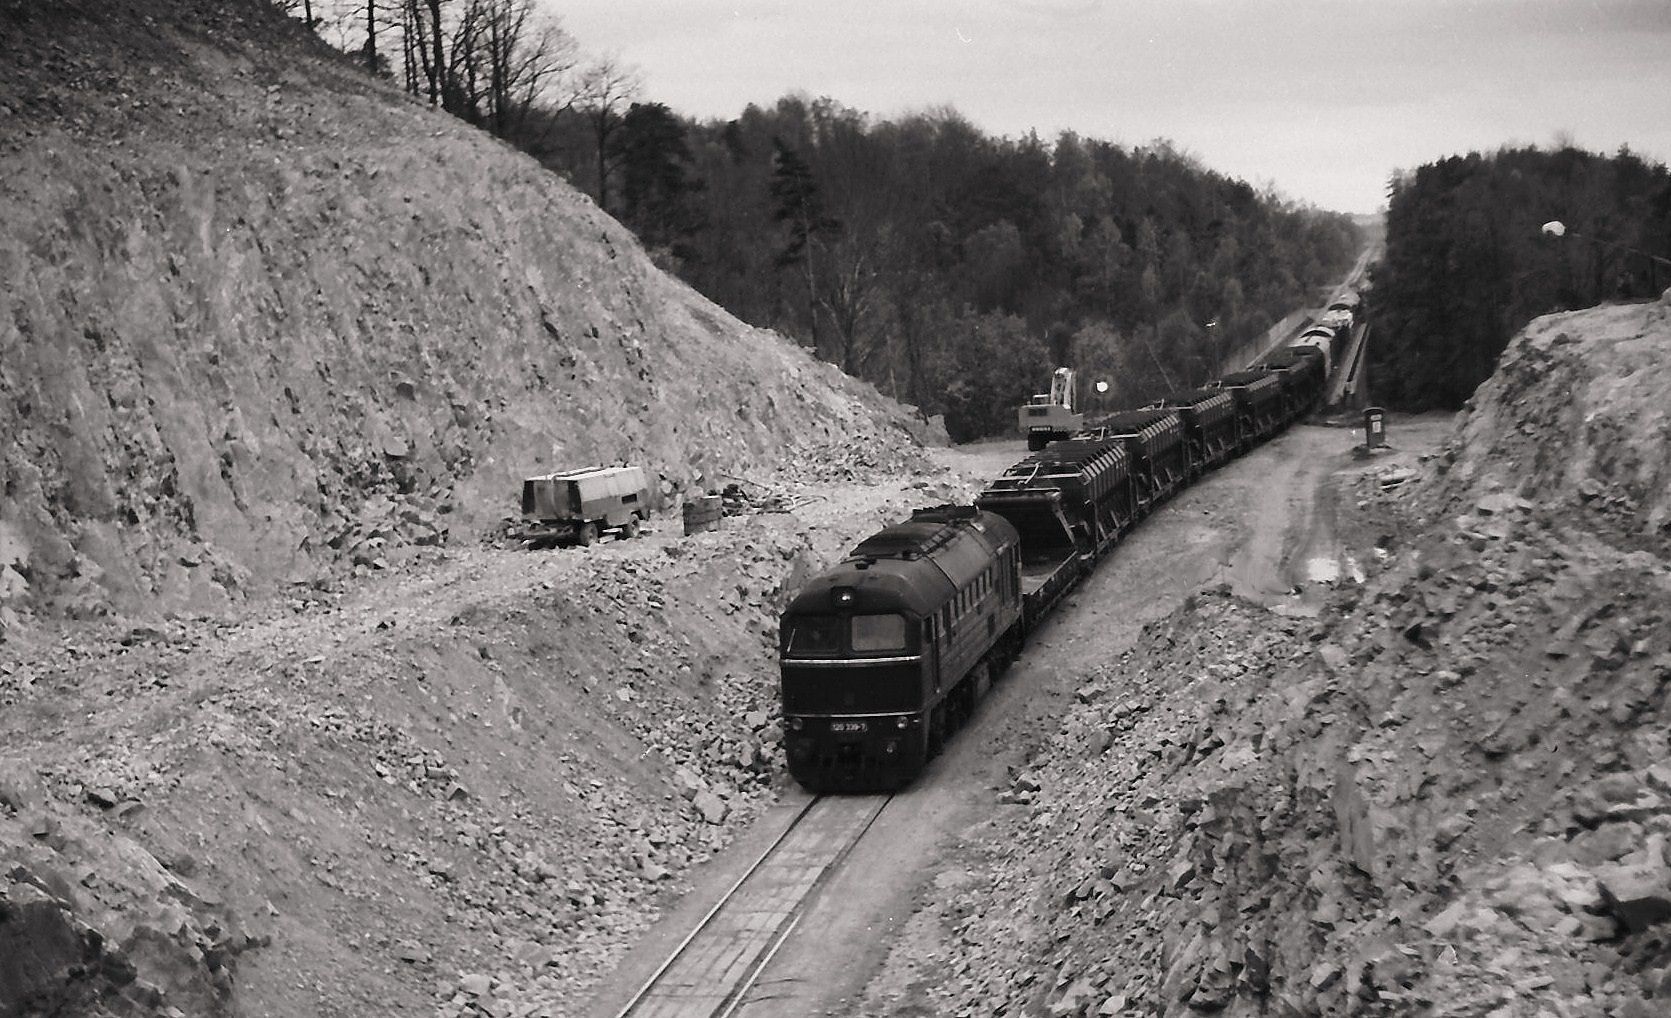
{"x": 847, "y": 726}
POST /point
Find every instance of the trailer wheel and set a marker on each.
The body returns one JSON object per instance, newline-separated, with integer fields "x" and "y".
{"x": 588, "y": 534}
{"x": 629, "y": 529}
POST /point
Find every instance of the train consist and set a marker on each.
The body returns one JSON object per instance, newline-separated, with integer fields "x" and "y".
{"x": 884, "y": 656}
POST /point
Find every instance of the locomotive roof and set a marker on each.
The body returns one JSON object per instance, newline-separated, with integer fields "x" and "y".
{"x": 913, "y": 565}
{"x": 917, "y": 536}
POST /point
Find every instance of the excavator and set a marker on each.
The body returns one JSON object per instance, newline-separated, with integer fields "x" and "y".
{"x": 1051, "y": 416}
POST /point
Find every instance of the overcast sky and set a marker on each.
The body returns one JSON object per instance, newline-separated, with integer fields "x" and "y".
{"x": 1322, "y": 98}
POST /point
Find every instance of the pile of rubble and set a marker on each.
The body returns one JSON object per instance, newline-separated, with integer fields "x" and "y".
{"x": 389, "y": 528}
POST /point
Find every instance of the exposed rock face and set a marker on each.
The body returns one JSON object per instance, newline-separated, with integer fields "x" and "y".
{"x": 39, "y": 947}
{"x": 127, "y": 937}
{"x": 1576, "y": 419}
{"x": 266, "y": 310}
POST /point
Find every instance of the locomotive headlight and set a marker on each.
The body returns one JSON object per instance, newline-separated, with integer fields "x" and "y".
{"x": 796, "y": 724}
{"x": 902, "y": 722}
{"x": 844, "y": 597}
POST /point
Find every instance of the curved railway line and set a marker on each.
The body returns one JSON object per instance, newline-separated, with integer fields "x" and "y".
{"x": 714, "y": 970}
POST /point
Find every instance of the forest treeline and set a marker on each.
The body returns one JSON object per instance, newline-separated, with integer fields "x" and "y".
{"x": 955, "y": 270}
{"x": 1469, "y": 261}
{"x": 952, "y": 269}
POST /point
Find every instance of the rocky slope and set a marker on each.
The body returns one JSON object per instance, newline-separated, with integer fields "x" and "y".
{"x": 268, "y": 318}
{"x": 1446, "y": 795}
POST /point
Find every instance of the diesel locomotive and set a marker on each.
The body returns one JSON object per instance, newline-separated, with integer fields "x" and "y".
{"x": 884, "y": 656}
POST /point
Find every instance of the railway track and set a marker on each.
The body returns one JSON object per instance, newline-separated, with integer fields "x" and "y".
{"x": 712, "y": 972}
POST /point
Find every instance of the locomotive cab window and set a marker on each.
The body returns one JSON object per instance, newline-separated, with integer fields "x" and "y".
{"x": 812, "y": 634}
{"x": 873, "y": 633}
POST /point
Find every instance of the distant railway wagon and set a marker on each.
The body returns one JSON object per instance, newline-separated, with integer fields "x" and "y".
{"x": 1209, "y": 419}
{"x": 1259, "y": 404}
{"x": 884, "y": 656}
{"x": 1323, "y": 339}
{"x": 1302, "y": 375}
{"x": 1154, "y": 439}
{"x": 1069, "y": 504}
{"x": 1336, "y": 322}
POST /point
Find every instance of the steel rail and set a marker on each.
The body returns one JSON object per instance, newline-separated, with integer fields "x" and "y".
{"x": 739, "y": 997}
{"x": 708, "y": 917}
{"x": 752, "y": 965}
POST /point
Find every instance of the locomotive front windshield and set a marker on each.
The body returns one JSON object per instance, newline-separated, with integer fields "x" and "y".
{"x": 874, "y": 634}
{"x": 835, "y": 635}
{"x": 812, "y": 635}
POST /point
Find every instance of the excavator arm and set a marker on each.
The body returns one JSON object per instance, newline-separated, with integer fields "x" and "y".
{"x": 1061, "y": 388}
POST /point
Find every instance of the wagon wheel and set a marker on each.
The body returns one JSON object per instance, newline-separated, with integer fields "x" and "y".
{"x": 588, "y": 534}
{"x": 629, "y": 529}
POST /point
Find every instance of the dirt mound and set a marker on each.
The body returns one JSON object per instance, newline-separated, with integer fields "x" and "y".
{"x": 1446, "y": 795}
{"x": 274, "y": 318}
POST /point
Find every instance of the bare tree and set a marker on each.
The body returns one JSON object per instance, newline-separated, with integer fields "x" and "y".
{"x": 352, "y": 26}
{"x": 603, "y": 91}
{"x": 462, "y": 89}
{"x": 849, "y": 297}
{"x": 306, "y": 7}
{"x": 427, "y": 22}
{"x": 371, "y": 37}
{"x": 411, "y": 44}
{"x": 527, "y": 53}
